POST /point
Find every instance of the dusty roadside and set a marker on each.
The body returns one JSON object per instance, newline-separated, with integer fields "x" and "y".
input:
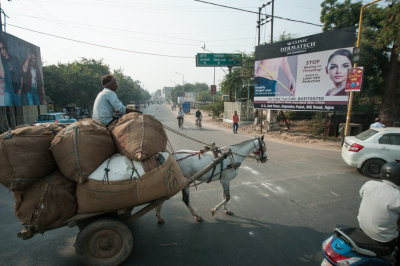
{"x": 298, "y": 134}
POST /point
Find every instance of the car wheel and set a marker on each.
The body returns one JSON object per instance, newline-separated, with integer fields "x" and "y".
{"x": 372, "y": 168}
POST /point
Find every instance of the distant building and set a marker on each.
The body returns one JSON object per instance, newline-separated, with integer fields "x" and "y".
{"x": 166, "y": 93}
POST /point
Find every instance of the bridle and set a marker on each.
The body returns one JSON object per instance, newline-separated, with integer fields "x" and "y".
{"x": 260, "y": 151}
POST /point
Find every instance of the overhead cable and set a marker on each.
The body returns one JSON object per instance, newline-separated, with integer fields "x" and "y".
{"x": 249, "y": 11}
{"x": 100, "y": 45}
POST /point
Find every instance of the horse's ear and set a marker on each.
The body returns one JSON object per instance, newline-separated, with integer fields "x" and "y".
{"x": 262, "y": 137}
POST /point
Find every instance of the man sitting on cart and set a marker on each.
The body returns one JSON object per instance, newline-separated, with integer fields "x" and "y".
{"x": 107, "y": 107}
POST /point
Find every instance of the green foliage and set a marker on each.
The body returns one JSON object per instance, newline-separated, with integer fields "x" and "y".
{"x": 205, "y": 96}
{"x": 380, "y": 50}
{"x": 178, "y": 90}
{"x": 79, "y": 82}
{"x": 216, "y": 109}
{"x": 317, "y": 124}
{"x": 291, "y": 115}
{"x": 240, "y": 79}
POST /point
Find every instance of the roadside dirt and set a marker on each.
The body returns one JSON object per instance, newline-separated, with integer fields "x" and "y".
{"x": 298, "y": 134}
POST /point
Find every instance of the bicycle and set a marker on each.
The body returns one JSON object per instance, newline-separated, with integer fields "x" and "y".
{"x": 180, "y": 122}
{"x": 198, "y": 122}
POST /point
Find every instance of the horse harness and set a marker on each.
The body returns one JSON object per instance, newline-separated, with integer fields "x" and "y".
{"x": 216, "y": 152}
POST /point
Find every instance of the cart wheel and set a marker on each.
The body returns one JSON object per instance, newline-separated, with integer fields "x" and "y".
{"x": 104, "y": 242}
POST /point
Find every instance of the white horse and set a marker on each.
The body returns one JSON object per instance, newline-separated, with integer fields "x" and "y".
{"x": 192, "y": 162}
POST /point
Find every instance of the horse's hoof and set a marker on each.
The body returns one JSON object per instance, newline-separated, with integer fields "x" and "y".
{"x": 198, "y": 219}
{"x": 229, "y": 212}
{"x": 213, "y": 211}
{"x": 161, "y": 221}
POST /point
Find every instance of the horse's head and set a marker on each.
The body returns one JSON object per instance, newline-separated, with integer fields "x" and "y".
{"x": 260, "y": 153}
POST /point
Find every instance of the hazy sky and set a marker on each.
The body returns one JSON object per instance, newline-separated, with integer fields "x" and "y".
{"x": 156, "y": 39}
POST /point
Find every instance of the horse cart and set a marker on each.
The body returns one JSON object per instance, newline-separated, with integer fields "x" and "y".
{"x": 104, "y": 237}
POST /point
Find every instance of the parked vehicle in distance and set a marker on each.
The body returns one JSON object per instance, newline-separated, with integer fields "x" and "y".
{"x": 369, "y": 150}
{"x": 54, "y": 117}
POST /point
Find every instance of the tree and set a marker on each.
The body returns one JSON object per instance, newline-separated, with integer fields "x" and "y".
{"x": 178, "y": 90}
{"x": 380, "y": 50}
{"x": 240, "y": 78}
{"x": 79, "y": 82}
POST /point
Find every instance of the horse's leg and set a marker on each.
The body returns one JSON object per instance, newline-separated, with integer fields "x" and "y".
{"x": 185, "y": 198}
{"x": 160, "y": 220}
{"x": 226, "y": 195}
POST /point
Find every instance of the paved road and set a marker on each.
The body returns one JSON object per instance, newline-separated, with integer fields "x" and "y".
{"x": 283, "y": 210}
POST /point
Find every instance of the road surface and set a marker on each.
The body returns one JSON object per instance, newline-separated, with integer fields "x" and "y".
{"x": 283, "y": 210}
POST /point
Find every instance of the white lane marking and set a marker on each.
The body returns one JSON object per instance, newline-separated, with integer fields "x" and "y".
{"x": 254, "y": 172}
{"x": 250, "y": 184}
{"x": 273, "y": 188}
{"x": 334, "y": 194}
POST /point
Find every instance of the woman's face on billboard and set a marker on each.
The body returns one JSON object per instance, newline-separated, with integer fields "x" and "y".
{"x": 337, "y": 69}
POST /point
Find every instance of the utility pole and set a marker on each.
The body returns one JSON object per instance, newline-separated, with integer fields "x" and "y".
{"x": 259, "y": 24}
{"x": 272, "y": 22}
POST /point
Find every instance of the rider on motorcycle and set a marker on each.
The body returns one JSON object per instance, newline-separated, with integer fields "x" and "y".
{"x": 198, "y": 117}
{"x": 380, "y": 206}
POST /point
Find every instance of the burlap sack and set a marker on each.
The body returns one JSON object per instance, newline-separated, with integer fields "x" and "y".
{"x": 47, "y": 203}
{"x": 99, "y": 196}
{"x": 81, "y": 147}
{"x": 25, "y": 156}
{"x": 139, "y": 136}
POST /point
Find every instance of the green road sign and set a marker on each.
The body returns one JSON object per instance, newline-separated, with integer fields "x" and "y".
{"x": 211, "y": 60}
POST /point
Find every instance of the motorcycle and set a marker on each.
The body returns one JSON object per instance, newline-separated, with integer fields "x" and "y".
{"x": 351, "y": 246}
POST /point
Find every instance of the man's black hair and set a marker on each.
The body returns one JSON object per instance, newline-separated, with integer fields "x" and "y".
{"x": 106, "y": 79}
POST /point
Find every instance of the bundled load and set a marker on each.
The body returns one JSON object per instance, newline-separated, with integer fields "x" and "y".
{"x": 57, "y": 171}
{"x": 25, "y": 156}
{"x": 121, "y": 183}
{"x": 47, "y": 203}
{"x": 139, "y": 136}
{"x": 81, "y": 147}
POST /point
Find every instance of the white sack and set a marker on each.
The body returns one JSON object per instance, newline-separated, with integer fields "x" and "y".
{"x": 120, "y": 168}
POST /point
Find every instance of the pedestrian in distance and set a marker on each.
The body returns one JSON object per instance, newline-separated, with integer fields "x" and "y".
{"x": 377, "y": 123}
{"x": 235, "y": 121}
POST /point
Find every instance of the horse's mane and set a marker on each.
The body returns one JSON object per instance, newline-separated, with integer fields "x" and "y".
{"x": 242, "y": 142}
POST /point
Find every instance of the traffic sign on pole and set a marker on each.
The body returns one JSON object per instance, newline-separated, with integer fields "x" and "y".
{"x": 212, "y": 60}
{"x": 213, "y": 89}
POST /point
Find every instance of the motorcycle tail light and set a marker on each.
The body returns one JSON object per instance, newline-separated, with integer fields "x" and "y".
{"x": 356, "y": 147}
{"x": 335, "y": 256}
{"x": 332, "y": 254}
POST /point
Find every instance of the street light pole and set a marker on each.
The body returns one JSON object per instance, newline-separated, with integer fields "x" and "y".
{"x": 183, "y": 77}
{"x": 346, "y": 130}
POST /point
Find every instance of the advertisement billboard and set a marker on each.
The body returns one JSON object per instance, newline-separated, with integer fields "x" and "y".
{"x": 304, "y": 74}
{"x": 21, "y": 77}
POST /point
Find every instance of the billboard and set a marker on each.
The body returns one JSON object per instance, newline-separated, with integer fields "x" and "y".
{"x": 304, "y": 74}
{"x": 21, "y": 77}
{"x": 190, "y": 97}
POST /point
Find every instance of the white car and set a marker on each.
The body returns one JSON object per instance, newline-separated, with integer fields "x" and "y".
{"x": 369, "y": 150}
